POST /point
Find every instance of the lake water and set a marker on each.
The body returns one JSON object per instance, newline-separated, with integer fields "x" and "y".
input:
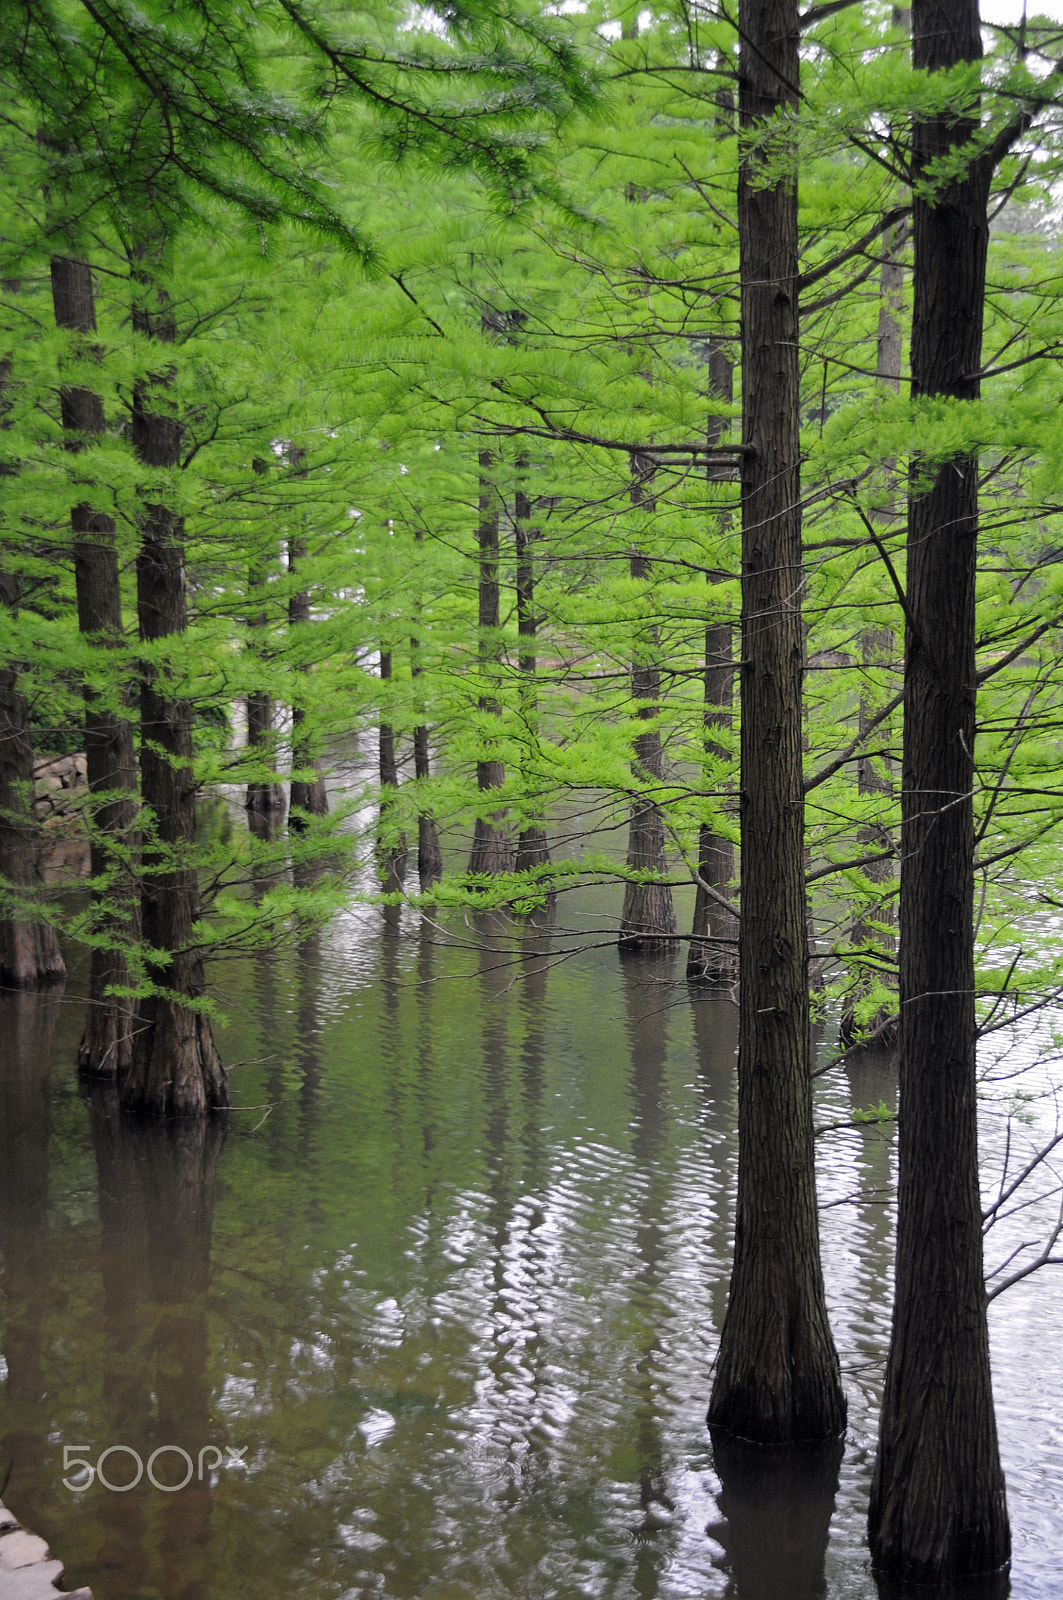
{"x": 441, "y": 1306}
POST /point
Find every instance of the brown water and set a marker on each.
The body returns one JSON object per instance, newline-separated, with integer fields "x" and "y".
{"x": 451, "y": 1286}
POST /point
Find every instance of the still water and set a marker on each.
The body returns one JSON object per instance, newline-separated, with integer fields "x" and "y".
{"x": 444, "y": 1299}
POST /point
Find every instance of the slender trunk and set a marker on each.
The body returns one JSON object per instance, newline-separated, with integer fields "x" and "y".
{"x": 492, "y": 849}
{"x": 29, "y": 950}
{"x": 107, "y": 1043}
{"x": 307, "y": 795}
{"x": 429, "y": 854}
{"x": 175, "y": 1070}
{"x": 532, "y": 848}
{"x": 713, "y": 953}
{"x": 937, "y": 1499}
{"x": 875, "y": 931}
{"x": 647, "y": 921}
{"x": 777, "y": 1376}
{"x": 264, "y": 795}
{"x": 391, "y": 847}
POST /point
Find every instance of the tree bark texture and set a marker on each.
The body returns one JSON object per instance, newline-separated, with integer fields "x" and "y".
{"x": 391, "y": 847}
{"x": 307, "y": 796}
{"x": 107, "y": 1044}
{"x": 264, "y": 796}
{"x": 532, "y": 848}
{"x": 492, "y": 848}
{"x": 647, "y": 920}
{"x": 175, "y": 1069}
{"x": 713, "y": 953}
{"x": 429, "y": 854}
{"x": 29, "y": 950}
{"x": 937, "y": 1502}
{"x": 777, "y": 1377}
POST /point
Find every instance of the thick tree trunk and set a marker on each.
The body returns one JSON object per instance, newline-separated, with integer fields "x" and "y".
{"x": 713, "y": 953}
{"x": 533, "y": 851}
{"x": 492, "y": 848}
{"x": 307, "y": 796}
{"x": 29, "y": 950}
{"x": 107, "y": 1043}
{"x": 937, "y": 1500}
{"x": 391, "y": 848}
{"x": 175, "y": 1070}
{"x": 875, "y": 932}
{"x": 777, "y": 1376}
{"x": 429, "y": 854}
{"x": 647, "y": 921}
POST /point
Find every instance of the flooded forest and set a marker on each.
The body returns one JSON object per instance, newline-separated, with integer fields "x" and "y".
{"x": 531, "y": 960}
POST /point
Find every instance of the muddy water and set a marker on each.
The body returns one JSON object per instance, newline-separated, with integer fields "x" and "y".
{"x": 440, "y": 1310}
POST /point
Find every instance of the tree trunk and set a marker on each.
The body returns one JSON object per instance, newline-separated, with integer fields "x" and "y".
{"x": 175, "y": 1070}
{"x": 29, "y": 950}
{"x": 391, "y": 848}
{"x": 264, "y": 796}
{"x": 713, "y": 952}
{"x": 647, "y": 921}
{"x": 937, "y": 1500}
{"x": 492, "y": 849}
{"x": 875, "y": 931}
{"x": 429, "y": 854}
{"x": 307, "y": 797}
{"x": 533, "y": 851}
{"x": 777, "y": 1376}
{"x": 107, "y": 1044}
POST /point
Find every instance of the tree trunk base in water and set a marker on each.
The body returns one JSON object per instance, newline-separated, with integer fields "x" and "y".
{"x": 647, "y": 923}
{"x": 492, "y": 850}
{"x": 429, "y": 854}
{"x": 30, "y": 957}
{"x": 391, "y": 865}
{"x": 778, "y": 1505}
{"x": 715, "y": 965}
{"x": 106, "y": 1047}
{"x": 879, "y": 1033}
{"x": 176, "y": 1071}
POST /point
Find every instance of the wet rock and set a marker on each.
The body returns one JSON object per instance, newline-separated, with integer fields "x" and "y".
{"x": 27, "y": 1572}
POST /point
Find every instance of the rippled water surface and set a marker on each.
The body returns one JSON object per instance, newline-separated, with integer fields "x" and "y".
{"x": 449, "y": 1292}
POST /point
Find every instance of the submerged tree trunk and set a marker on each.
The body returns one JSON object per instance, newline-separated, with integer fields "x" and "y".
{"x": 533, "y": 851}
{"x": 175, "y": 1070}
{"x": 307, "y": 796}
{"x": 492, "y": 848}
{"x": 937, "y": 1501}
{"x": 713, "y": 952}
{"x": 647, "y": 921}
{"x": 429, "y": 854}
{"x": 107, "y": 1043}
{"x": 29, "y": 950}
{"x": 777, "y": 1376}
{"x": 391, "y": 847}
{"x": 264, "y": 795}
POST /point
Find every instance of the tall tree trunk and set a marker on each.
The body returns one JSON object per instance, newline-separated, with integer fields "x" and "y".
{"x": 492, "y": 848}
{"x": 175, "y": 1069}
{"x": 107, "y": 1044}
{"x": 875, "y": 931}
{"x": 307, "y": 796}
{"x": 264, "y": 796}
{"x": 29, "y": 950}
{"x": 777, "y": 1376}
{"x": 937, "y": 1499}
{"x": 391, "y": 848}
{"x": 429, "y": 854}
{"x": 532, "y": 847}
{"x": 713, "y": 952}
{"x": 647, "y": 921}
